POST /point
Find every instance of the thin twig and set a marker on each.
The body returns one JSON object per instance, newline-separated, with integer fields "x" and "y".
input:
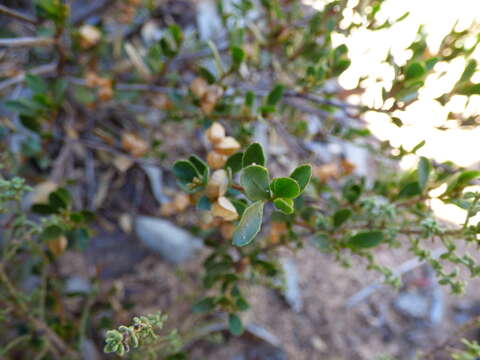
{"x": 405, "y": 267}
{"x": 27, "y": 41}
{"x": 17, "y": 15}
{"x": 43, "y": 69}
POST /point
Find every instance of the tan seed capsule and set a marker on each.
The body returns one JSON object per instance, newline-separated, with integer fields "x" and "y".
{"x": 227, "y": 146}
{"x": 89, "y": 36}
{"x": 132, "y": 143}
{"x": 227, "y": 230}
{"x": 199, "y": 87}
{"x": 57, "y": 246}
{"x": 224, "y": 208}
{"x": 218, "y": 184}
{"x": 215, "y": 133}
{"x": 216, "y": 160}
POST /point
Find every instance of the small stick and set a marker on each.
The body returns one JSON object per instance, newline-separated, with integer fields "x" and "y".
{"x": 26, "y": 42}
{"x": 17, "y": 15}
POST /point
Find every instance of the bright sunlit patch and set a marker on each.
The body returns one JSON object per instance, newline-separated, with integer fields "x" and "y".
{"x": 368, "y": 50}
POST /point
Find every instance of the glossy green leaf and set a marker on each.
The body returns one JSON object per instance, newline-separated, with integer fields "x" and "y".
{"x": 253, "y": 155}
{"x": 235, "y": 325}
{"x": 285, "y": 188}
{"x": 341, "y": 216}
{"x": 409, "y": 190}
{"x": 414, "y": 71}
{"x": 234, "y": 162}
{"x": 184, "y": 171}
{"x": 284, "y": 205}
{"x": 205, "y": 305}
{"x": 469, "y": 71}
{"x": 255, "y": 181}
{"x": 302, "y": 175}
{"x": 366, "y": 239}
{"x": 43, "y": 209}
{"x": 461, "y": 180}
{"x": 51, "y": 232}
{"x": 238, "y": 55}
{"x": 424, "y": 168}
{"x": 275, "y": 95}
{"x": 249, "y": 225}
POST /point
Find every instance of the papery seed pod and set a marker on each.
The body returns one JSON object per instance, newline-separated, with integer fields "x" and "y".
{"x": 58, "y": 245}
{"x": 227, "y": 229}
{"x": 224, "y": 208}
{"x": 216, "y": 160}
{"x": 277, "y": 229}
{"x": 218, "y": 184}
{"x": 132, "y": 143}
{"x": 89, "y": 36}
{"x": 180, "y": 202}
{"x": 215, "y": 133}
{"x": 227, "y": 146}
{"x": 199, "y": 87}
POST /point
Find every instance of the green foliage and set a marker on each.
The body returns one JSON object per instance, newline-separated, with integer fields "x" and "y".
{"x": 249, "y": 225}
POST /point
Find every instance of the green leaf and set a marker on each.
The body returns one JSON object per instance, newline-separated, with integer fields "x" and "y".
{"x": 207, "y": 75}
{"x": 234, "y": 162}
{"x": 51, "y": 232}
{"x": 302, "y": 175}
{"x": 184, "y": 171}
{"x": 341, "y": 216}
{"x": 237, "y": 56}
{"x": 200, "y": 165}
{"x": 235, "y": 325}
{"x": 249, "y": 225}
{"x": 418, "y": 146}
{"x": 284, "y": 205}
{"x": 469, "y": 71}
{"x": 461, "y": 180}
{"x": 36, "y": 83}
{"x": 240, "y": 205}
{"x": 59, "y": 199}
{"x": 205, "y": 305}
{"x": 275, "y": 95}
{"x": 253, "y": 155}
{"x": 285, "y": 188}
{"x": 204, "y": 203}
{"x": 424, "y": 168}
{"x": 414, "y": 71}
{"x": 255, "y": 181}
{"x": 30, "y": 123}
{"x": 43, "y": 209}
{"x": 79, "y": 238}
{"x": 366, "y": 239}
{"x": 409, "y": 190}
{"x": 473, "y": 89}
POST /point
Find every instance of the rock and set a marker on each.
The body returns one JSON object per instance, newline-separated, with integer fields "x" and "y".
{"x": 292, "y": 287}
{"x": 174, "y": 244}
{"x": 155, "y": 176}
{"x": 413, "y": 305}
{"x": 89, "y": 350}
{"x": 77, "y": 284}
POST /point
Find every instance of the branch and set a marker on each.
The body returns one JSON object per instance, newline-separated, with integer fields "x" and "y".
{"x": 21, "y": 77}
{"x": 17, "y": 15}
{"x": 27, "y": 42}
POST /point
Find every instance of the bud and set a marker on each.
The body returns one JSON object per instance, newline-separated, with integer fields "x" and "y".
{"x": 216, "y": 160}
{"x": 224, "y": 208}
{"x": 227, "y": 146}
{"x": 218, "y": 184}
{"x": 199, "y": 87}
{"x": 89, "y": 36}
{"x": 215, "y": 133}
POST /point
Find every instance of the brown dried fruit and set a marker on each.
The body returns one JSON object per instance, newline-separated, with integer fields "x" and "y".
{"x": 227, "y": 146}
{"x": 277, "y": 229}
{"x": 216, "y": 160}
{"x": 199, "y": 87}
{"x": 132, "y": 143}
{"x": 326, "y": 172}
{"x": 89, "y": 36}
{"x": 227, "y": 229}
{"x": 217, "y": 185}
{"x": 215, "y": 133}
{"x": 224, "y": 208}
{"x": 57, "y": 246}
{"x": 180, "y": 202}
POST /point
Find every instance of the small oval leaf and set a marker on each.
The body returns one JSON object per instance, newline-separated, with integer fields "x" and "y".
{"x": 285, "y": 188}
{"x": 253, "y": 155}
{"x": 249, "y": 225}
{"x": 302, "y": 175}
{"x": 366, "y": 239}
{"x": 255, "y": 181}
